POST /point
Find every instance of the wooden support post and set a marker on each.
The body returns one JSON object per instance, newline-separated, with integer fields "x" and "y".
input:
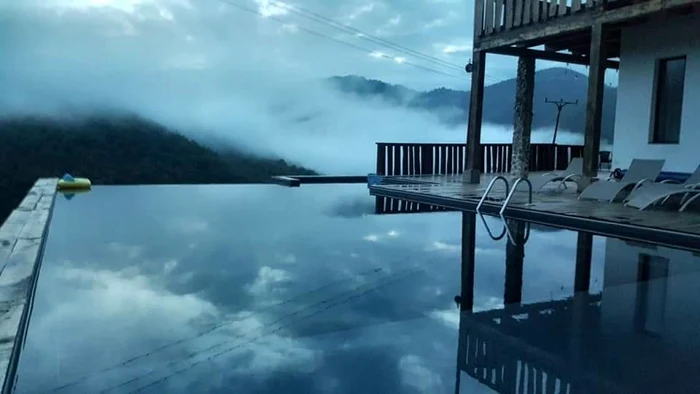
{"x": 515, "y": 256}
{"x": 594, "y": 105}
{"x": 476, "y": 108}
{"x": 584, "y": 248}
{"x": 522, "y": 123}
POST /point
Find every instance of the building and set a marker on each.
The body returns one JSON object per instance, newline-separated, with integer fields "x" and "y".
{"x": 655, "y": 44}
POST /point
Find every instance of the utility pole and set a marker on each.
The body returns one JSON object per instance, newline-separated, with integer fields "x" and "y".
{"x": 560, "y": 106}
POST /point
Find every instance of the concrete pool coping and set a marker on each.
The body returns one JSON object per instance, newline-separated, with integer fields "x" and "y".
{"x": 22, "y": 238}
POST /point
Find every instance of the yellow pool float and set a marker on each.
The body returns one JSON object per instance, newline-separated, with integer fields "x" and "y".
{"x": 70, "y": 183}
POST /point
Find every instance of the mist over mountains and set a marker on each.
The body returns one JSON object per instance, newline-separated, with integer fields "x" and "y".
{"x": 451, "y": 106}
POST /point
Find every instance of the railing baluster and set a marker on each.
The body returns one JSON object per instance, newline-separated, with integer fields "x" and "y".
{"x": 489, "y": 168}
{"x": 527, "y": 12}
{"x": 536, "y": 5}
{"x": 575, "y": 6}
{"x": 509, "y": 15}
{"x": 553, "y": 8}
{"x": 562, "y": 7}
{"x": 390, "y": 159}
{"x": 488, "y": 23}
{"x": 404, "y": 151}
{"x": 381, "y": 159}
{"x": 443, "y": 159}
{"x": 518, "y": 13}
{"x": 479, "y": 18}
{"x": 499, "y": 15}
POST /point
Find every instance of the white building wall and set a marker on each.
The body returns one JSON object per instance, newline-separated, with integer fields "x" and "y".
{"x": 641, "y": 47}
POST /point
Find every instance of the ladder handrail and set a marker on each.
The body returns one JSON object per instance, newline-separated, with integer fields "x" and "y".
{"x": 488, "y": 230}
{"x": 505, "y": 205}
{"x": 488, "y": 190}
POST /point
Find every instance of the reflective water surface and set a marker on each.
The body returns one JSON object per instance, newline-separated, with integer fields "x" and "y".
{"x": 264, "y": 289}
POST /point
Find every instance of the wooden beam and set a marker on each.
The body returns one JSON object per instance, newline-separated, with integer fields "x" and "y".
{"x": 594, "y": 104}
{"x": 476, "y": 109}
{"x": 551, "y": 56}
{"x": 579, "y": 22}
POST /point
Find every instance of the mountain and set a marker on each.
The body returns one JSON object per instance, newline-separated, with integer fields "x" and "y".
{"x": 115, "y": 151}
{"x": 451, "y": 106}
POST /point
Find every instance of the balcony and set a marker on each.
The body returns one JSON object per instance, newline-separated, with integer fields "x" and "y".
{"x": 501, "y": 23}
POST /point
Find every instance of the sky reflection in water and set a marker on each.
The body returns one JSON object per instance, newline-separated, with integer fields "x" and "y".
{"x": 263, "y": 289}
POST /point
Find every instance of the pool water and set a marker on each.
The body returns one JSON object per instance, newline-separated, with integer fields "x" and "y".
{"x": 264, "y": 289}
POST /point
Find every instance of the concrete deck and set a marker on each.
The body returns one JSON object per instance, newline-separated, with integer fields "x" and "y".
{"x": 21, "y": 244}
{"x": 558, "y": 208}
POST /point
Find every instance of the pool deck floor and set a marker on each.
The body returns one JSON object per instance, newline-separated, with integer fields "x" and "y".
{"x": 22, "y": 236}
{"x": 555, "y": 207}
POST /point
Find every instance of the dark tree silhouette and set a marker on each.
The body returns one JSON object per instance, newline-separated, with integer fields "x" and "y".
{"x": 117, "y": 151}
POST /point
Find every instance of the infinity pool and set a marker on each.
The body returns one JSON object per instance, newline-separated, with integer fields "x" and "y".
{"x": 264, "y": 289}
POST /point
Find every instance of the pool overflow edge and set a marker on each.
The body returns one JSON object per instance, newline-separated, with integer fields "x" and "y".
{"x": 14, "y": 330}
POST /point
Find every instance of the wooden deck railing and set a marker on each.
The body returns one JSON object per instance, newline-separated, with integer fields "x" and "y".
{"x": 495, "y": 16}
{"x": 405, "y": 159}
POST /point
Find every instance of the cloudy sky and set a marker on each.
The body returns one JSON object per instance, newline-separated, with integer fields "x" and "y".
{"x": 244, "y": 69}
{"x": 298, "y": 38}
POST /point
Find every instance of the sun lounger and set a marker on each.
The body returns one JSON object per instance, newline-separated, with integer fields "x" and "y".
{"x": 640, "y": 171}
{"x": 650, "y": 193}
{"x": 573, "y": 171}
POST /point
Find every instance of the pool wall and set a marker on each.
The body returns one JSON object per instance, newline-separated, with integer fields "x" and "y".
{"x": 22, "y": 238}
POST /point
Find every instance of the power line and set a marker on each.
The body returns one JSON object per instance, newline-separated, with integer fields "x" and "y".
{"x": 281, "y": 323}
{"x": 338, "y": 41}
{"x": 369, "y": 37}
{"x": 200, "y": 334}
{"x": 366, "y": 36}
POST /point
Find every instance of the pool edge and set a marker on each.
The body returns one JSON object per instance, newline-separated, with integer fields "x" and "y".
{"x": 22, "y": 241}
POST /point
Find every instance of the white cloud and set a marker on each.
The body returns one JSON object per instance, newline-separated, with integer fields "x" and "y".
{"x": 129, "y": 251}
{"x": 290, "y": 27}
{"x": 442, "y": 246}
{"x": 416, "y": 374}
{"x": 266, "y": 280}
{"x": 269, "y": 8}
{"x": 359, "y": 11}
{"x": 371, "y": 238}
{"x": 169, "y": 266}
{"x": 451, "y": 48}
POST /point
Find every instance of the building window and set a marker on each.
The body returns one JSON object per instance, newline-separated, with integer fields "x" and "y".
{"x": 668, "y": 100}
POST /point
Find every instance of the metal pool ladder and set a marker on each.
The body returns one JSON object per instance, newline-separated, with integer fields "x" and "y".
{"x": 509, "y": 197}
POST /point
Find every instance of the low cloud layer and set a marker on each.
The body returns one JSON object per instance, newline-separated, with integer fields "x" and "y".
{"x": 210, "y": 68}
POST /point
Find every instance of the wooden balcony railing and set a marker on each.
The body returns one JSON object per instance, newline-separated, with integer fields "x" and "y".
{"x": 495, "y": 16}
{"x": 406, "y": 159}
